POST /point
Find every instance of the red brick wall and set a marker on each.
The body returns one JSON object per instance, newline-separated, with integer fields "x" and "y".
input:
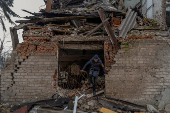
{"x": 32, "y": 75}
{"x": 109, "y": 53}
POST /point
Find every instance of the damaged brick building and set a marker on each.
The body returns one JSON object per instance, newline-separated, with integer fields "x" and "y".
{"x": 59, "y": 41}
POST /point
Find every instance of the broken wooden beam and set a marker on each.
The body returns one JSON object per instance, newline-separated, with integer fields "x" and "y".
{"x": 124, "y": 102}
{"x": 48, "y": 6}
{"x": 97, "y": 27}
{"x": 112, "y": 104}
{"x": 105, "y": 110}
{"x": 107, "y": 27}
{"x": 53, "y": 19}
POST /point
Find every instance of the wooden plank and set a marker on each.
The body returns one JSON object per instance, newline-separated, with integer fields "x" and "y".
{"x": 107, "y": 27}
{"x": 78, "y": 38}
{"x": 82, "y": 46}
{"x": 104, "y": 110}
{"x": 48, "y": 6}
{"x": 97, "y": 93}
{"x": 53, "y": 19}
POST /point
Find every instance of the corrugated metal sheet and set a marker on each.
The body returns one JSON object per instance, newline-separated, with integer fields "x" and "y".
{"x": 128, "y": 23}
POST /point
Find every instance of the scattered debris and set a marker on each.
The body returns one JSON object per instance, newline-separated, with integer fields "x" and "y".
{"x": 167, "y": 108}
{"x": 150, "y": 108}
{"x": 51, "y": 102}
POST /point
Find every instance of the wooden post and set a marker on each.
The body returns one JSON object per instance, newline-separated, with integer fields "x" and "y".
{"x": 14, "y": 37}
{"x": 107, "y": 27}
{"x": 48, "y": 6}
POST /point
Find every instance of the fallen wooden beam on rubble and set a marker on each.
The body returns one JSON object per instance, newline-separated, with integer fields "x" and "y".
{"x": 107, "y": 27}
{"x": 119, "y": 104}
{"x": 104, "y": 110}
{"x": 20, "y": 26}
{"x": 97, "y": 27}
{"x": 127, "y": 103}
{"x": 53, "y": 19}
{"x": 82, "y": 46}
{"x": 146, "y": 28}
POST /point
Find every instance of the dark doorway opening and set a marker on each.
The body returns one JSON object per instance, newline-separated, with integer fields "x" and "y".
{"x": 71, "y": 61}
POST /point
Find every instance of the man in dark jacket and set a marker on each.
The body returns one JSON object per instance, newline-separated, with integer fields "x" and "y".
{"x": 94, "y": 71}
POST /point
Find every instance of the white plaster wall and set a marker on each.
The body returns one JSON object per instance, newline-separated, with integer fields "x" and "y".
{"x": 158, "y": 10}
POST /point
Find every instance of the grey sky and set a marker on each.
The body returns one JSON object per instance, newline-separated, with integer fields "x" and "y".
{"x": 30, "y": 5}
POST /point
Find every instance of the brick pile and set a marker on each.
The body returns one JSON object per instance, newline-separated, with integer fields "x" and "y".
{"x": 141, "y": 71}
{"x": 34, "y": 33}
{"x": 41, "y": 39}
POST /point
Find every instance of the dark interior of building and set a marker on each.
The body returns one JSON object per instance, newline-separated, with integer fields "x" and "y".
{"x": 71, "y": 62}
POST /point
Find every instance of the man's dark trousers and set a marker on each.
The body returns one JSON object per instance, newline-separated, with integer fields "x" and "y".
{"x": 93, "y": 80}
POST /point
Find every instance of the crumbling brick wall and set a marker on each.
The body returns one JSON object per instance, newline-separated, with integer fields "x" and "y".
{"x": 109, "y": 53}
{"x": 141, "y": 71}
{"x": 32, "y": 75}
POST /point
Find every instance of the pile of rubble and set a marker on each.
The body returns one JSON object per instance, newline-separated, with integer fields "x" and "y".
{"x": 83, "y": 18}
{"x": 5, "y": 108}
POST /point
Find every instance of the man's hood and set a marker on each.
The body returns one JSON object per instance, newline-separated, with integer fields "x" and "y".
{"x": 95, "y": 56}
